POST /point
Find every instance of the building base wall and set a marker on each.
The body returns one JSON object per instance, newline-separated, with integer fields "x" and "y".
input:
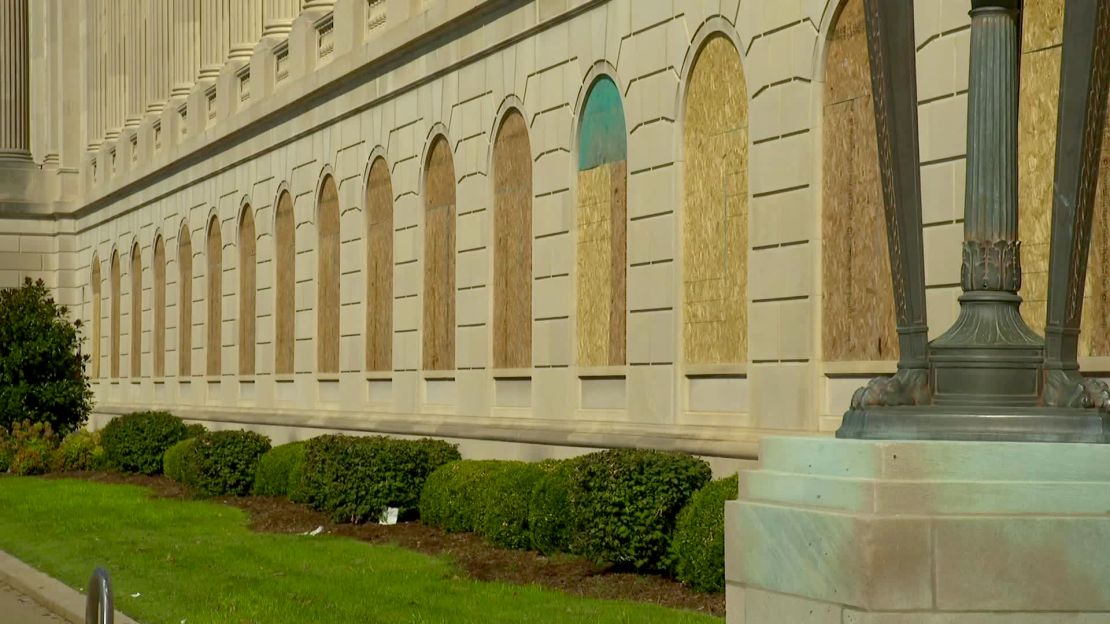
{"x": 855, "y": 531}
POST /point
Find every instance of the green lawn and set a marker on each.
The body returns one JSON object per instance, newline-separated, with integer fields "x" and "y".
{"x": 197, "y": 562}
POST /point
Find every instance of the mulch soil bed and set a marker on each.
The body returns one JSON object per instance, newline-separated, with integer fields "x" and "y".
{"x": 472, "y": 553}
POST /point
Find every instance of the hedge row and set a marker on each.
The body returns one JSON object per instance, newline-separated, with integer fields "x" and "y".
{"x": 643, "y": 510}
{"x": 617, "y": 506}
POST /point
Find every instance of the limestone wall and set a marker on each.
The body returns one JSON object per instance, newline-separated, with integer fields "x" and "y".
{"x": 688, "y": 280}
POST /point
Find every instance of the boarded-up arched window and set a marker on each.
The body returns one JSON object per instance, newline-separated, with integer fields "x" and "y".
{"x": 115, "y": 277}
{"x": 285, "y": 282}
{"x": 602, "y": 228}
{"x": 715, "y": 220}
{"x": 94, "y": 278}
{"x": 247, "y": 291}
{"x": 512, "y": 259}
{"x": 858, "y": 301}
{"x": 184, "y": 302}
{"x": 1042, "y": 34}
{"x": 439, "y": 258}
{"x": 214, "y": 296}
{"x": 158, "y": 338}
{"x": 379, "y": 268}
{"x": 327, "y": 286}
{"x": 136, "y": 311}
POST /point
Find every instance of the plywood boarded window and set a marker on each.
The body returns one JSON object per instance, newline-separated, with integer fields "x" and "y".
{"x": 715, "y": 219}
{"x": 136, "y": 311}
{"x": 115, "y": 277}
{"x": 247, "y": 291}
{"x": 184, "y": 302}
{"x": 158, "y": 336}
{"x": 512, "y": 260}
{"x": 1042, "y": 30}
{"x": 327, "y": 286}
{"x": 601, "y": 227}
{"x": 285, "y": 281}
{"x": 94, "y": 278}
{"x": 439, "y": 258}
{"x": 858, "y": 301}
{"x": 379, "y": 268}
{"x": 214, "y": 296}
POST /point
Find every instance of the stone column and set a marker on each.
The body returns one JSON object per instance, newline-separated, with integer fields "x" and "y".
{"x": 213, "y": 38}
{"x": 95, "y": 77}
{"x": 184, "y": 52}
{"x": 134, "y": 66}
{"x": 15, "y": 102}
{"x": 278, "y": 16}
{"x": 246, "y": 28}
{"x": 157, "y": 56}
{"x": 112, "y": 88}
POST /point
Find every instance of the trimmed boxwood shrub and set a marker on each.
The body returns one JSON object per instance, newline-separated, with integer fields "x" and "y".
{"x": 448, "y": 499}
{"x": 490, "y": 497}
{"x": 548, "y": 527}
{"x": 195, "y": 429}
{"x": 279, "y": 470}
{"x": 504, "y": 498}
{"x": 136, "y": 442}
{"x": 354, "y": 479}
{"x": 623, "y": 504}
{"x": 222, "y": 463}
{"x": 175, "y": 462}
{"x": 698, "y": 546}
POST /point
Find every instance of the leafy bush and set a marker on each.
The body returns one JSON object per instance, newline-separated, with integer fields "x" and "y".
{"x": 7, "y": 450}
{"x": 136, "y": 442}
{"x": 79, "y": 450}
{"x": 547, "y": 510}
{"x": 176, "y": 462}
{"x": 356, "y": 478}
{"x": 504, "y": 504}
{"x": 698, "y": 547}
{"x": 623, "y": 504}
{"x": 42, "y": 372}
{"x": 194, "y": 430}
{"x": 279, "y": 470}
{"x": 448, "y": 500}
{"x": 33, "y": 446}
{"x": 223, "y": 462}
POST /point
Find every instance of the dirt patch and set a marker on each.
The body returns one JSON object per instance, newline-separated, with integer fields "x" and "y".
{"x": 471, "y": 552}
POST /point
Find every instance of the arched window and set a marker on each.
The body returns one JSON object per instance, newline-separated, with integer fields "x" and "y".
{"x": 327, "y": 287}
{"x": 715, "y": 207}
{"x": 215, "y": 296}
{"x": 184, "y": 302}
{"x": 285, "y": 283}
{"x": 247, "y": 291}
{"x": 158, "y": 339}
{"x": 94, "y": 278}
{"x": 136, "y": 311}
{"x": 858, "y": 302}
{"x": 602, "y": 228}
{"x": 115, "y": 276}
{"x": 439, "y": 258}
{"x": 379, "y": 268}
{"x": 512, "y": 260}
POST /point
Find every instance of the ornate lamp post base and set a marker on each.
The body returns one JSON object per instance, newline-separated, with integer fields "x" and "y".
{"x": 1015, "y": 424}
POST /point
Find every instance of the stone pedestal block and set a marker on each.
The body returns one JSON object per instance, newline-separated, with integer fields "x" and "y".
{"x": 873, "y": 532}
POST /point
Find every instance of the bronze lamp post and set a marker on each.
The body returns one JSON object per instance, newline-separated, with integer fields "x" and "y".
{"x": 989, "y": 376}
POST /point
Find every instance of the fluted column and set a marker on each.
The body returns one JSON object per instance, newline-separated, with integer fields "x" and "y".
{"x": 134, "y": 67}
{"x": 15, "y": 102}
{"x": 185, "y": 54}
{"x": 112, "y": 89}
{"x": 246, "y": 28}
{"x": 157, "y": 55}
{"x": 95, "y": 64}
{"x": 213, "y": 37}
{"x": 278, "y": 16}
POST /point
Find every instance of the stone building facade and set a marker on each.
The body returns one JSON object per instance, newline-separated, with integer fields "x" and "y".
{"x": 534, "y": 227}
